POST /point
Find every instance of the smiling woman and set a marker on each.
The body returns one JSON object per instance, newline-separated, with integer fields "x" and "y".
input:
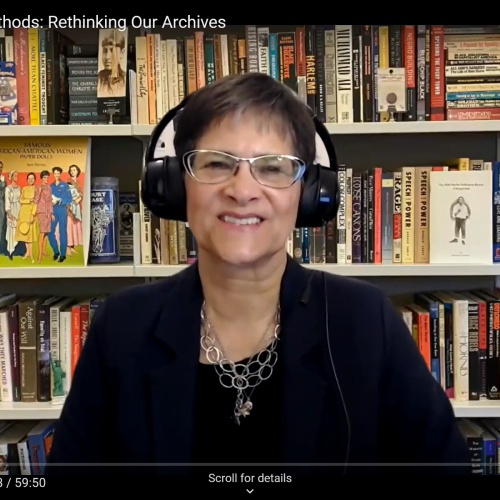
{"x": 246, "y": 357}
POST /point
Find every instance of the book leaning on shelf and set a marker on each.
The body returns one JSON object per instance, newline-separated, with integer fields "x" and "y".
{"x": 44, "y": 201}
{"x": 413, "y": 215}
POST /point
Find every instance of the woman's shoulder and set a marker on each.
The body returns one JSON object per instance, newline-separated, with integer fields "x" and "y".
{"x": 137, "y": 298}
{"x": 349, "y": 288}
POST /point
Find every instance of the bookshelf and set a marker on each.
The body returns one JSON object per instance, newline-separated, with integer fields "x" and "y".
{"x": 66, "y": 131}
{"x": 357, "y": 129}
{"x": 356, "y": 270}
{"x": 443, "y": 127}
{"x": 117, "y": 152}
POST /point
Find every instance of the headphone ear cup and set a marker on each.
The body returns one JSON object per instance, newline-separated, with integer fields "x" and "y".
{"x": 320, "y": 197}
{"x": 163, "y": 190}
{"x": 309, "y": 196}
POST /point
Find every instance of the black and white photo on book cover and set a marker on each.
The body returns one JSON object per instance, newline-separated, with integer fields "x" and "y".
{"x": 460, "y": 208}
{"x": 112, "y": 63}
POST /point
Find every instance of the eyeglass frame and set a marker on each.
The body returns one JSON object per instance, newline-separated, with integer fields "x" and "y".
{"x": 302, "y": 166}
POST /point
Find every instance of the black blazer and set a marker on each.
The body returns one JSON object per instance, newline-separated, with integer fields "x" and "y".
{"x": 132, "y": 395}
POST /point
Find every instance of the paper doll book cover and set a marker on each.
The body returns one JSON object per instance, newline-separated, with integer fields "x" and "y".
{"x": 44, "y": 201}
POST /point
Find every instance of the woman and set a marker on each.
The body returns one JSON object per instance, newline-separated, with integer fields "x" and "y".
{"x": 12, "y": 208}
{"x": 43, "y": 202}
{"x": 27, "y": 226}
{"x": 75, "y": 234}
{"x": 165, "y": 378}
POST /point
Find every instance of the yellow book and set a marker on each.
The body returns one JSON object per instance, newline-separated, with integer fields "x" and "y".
{"x": 408, "y": 209}
{"x": 383, "y": 58}
{"x": 421, "y": 222}
{"x": 34, "y": 76}
{"x": 460, "y": 163}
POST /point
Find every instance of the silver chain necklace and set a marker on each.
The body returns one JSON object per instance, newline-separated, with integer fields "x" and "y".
{"x": 240, "y": 376}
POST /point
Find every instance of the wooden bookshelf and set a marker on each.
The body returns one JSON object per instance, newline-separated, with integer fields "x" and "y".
{"x": 124, "y": 270}
{"x": 65, "y": 130}
{"x": 444, "y": 127}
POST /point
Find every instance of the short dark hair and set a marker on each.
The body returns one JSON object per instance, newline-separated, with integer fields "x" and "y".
{"x": 44, "y": 173}
{"x": 234, "y": 94}
{"x": 32, "y": 174}
{"x": 57, "y": 169}
{"x": 78, "y": 170}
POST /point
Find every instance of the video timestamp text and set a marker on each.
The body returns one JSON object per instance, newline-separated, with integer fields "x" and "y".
{"x": 22, "y": 482}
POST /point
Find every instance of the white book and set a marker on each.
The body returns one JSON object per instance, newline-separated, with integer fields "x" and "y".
{"x": 341, "y": 216}
{"x": 24, "y": 457}
{"x": 55, "y": 343}
{"x": 348, "y": 217}
{"x": 344, "y": 80}
{"x": 65, "y": 350}
{"x": 224, "y": 48}
{"x": 6, "y": 389}
{"x": 461, "y": 217}
{"x": 460, "y": 348}
{"x": 263, "y": 40}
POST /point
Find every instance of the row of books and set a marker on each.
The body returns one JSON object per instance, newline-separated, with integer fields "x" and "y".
{"x": 336, "y": 69}
{"x": 341, "y": 71}
{"x": 25, "y": 446}
{"x": 40, "y": 342}
{"x": 472, "y": 76}
{"x": 483, "y": 440}
{"x": 415, "y": 215}
{"x": 458, "y": 335}
{"x": 40, "y": 72}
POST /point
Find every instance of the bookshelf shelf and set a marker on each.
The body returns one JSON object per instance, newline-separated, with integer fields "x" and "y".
{"x": 65, "y": 131}
{"x": 361, "y": 270}
{"x": 29, "y": 411}
{"x": 158, "y": 271}
{"x": 476, "y": 409}
{"x": 385, "y": 128}
{"x": 96, "y": 271}
{"x": 35, "y": 411}
{"x": 334, "y": 128}
{"x": 415, "y": 127}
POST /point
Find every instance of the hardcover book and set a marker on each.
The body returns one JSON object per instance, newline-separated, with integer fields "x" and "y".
{"x": 44, "y": 201}
{"x": 461, "y": 217}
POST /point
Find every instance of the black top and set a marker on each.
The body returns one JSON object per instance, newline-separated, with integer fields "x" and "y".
{"x": 133, "y": 395}
{"x": 217, "y": 436}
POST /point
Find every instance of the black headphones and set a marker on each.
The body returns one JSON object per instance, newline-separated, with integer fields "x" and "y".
{"x": 164, "y": 194}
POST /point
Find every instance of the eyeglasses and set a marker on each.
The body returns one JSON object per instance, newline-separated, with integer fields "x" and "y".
{"x": 215, "y": 167}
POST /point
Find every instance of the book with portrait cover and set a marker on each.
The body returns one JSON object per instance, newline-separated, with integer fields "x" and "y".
{"x": 44, "y": 201}
{"x": 460, "y": 217}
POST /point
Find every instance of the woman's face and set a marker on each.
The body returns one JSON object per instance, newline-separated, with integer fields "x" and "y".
{"x": 242, "y": 196}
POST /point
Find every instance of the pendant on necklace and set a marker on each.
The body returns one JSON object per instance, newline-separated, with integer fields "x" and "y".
{"x": 242, "y": 410}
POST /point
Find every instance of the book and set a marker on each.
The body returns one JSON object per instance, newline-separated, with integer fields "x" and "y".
{"x": 45, "y": 203}
{"x": 460, "y": 220}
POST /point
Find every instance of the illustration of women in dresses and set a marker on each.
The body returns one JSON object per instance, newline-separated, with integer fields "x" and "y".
{"x": 75, "y": 233}
{"x": 43, "y": 202}
{"x": 12, "y": 208}
{"x": 27, "y": 225}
